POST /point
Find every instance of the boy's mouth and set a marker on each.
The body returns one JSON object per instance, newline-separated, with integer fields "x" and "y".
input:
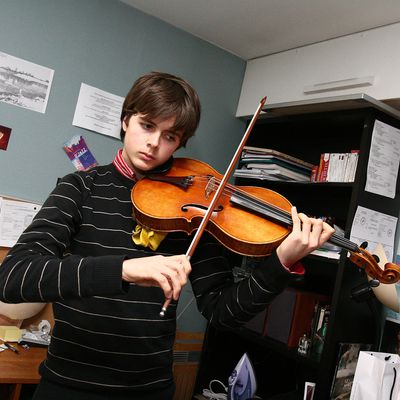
{"x": 147, "y": 157}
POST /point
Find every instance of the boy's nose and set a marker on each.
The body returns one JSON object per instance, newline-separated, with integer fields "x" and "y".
{"x": 154, "y": 139}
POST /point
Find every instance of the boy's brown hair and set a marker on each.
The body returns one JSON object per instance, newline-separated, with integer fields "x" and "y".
{"x": 162, "y": 95}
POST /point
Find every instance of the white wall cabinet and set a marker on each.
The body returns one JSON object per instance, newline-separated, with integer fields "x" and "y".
{"x": 284, "y": 77}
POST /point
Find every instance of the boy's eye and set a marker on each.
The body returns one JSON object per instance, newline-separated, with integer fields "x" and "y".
{"x": 146, "y": 126}
{"x": 172, "y": 137}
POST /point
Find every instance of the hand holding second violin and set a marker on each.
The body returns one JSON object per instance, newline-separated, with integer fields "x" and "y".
{"x": 307, "y": 235}
{"x": 169, "y": 273}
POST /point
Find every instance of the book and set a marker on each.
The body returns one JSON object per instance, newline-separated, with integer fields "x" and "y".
{"x": 314, "y": 174}
{"x": 337, "y": 167}
{"x": 319, "y": 335}
{"x": 263, "y": 162}
{"x": 351, "y": 166}
{"x": 251, "y": 151}
{"x": 323, "y": 167}
{"x": 260, "y": 174}
{"x": 345, "y": 369}
{"x": 269, "y": 164}
{"x": 273, "y": 162}
{"x": 277, "y": 171}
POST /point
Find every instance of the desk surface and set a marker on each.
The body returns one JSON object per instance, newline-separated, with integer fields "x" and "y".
{"x": 22, "y": 367}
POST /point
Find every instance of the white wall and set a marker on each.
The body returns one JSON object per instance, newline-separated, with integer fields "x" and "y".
{"x": 282, "y": 76}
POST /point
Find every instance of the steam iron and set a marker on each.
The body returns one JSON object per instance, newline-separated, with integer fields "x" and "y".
{"x": 242, "y": 383}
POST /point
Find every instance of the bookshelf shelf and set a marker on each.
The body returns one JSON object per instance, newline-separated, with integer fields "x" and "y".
{"x": 265, "y": 183}
{"x": 305, "y": 131}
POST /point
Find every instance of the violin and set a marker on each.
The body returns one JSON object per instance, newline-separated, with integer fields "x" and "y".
{"x": 248, "y": 220}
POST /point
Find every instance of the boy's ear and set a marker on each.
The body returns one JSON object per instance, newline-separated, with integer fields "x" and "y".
{"x": 124, "y": 124}
{"x": 162, "y": 169}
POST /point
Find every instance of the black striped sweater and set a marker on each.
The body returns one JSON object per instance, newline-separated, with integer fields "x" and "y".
{"x": 108, "y": 335}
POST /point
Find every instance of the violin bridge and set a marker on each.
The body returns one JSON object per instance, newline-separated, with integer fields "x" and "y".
{"x": 210, "y": 187}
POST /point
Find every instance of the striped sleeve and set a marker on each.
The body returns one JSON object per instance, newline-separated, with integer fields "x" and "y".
{"x": 35, "y": 269}
{"x": 226, "y": 303}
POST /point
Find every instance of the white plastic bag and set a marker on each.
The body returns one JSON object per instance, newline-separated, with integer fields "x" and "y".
{"x": 377, "y": 377}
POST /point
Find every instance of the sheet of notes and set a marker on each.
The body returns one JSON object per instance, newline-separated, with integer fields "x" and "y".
{"x": 384, "y": 158}
{"x": 15, "y": 216}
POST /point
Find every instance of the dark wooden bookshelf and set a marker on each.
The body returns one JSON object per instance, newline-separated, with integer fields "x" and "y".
{"x": 305, "y": 130}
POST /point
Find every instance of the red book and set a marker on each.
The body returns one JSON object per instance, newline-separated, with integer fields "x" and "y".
{"x": 323, "y": 167}
{"x": 314, "y": 173}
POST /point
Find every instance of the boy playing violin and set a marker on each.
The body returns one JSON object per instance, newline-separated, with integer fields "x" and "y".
{"x": 107, "y": 286}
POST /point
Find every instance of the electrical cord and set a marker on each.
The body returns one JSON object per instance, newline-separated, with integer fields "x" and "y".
{"x": 210, "y": 394}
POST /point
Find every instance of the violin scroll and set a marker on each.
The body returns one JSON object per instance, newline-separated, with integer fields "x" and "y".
{"x": 365, "y": 260}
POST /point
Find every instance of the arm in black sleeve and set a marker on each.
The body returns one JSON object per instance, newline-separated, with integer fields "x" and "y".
{"x": 226, "y": 303}
{"x": 35, "y": 269}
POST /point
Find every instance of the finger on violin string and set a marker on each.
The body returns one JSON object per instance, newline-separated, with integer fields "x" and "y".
{"x": 327, "y": 232}
{"x": 302, "y": 223}
{"x": 296, "y": 221}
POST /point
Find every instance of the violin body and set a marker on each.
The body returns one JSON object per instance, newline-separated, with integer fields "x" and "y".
{"x": 163, "y": 203}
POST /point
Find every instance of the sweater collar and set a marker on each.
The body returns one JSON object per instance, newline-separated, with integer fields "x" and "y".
{"x": 122, "y": 167}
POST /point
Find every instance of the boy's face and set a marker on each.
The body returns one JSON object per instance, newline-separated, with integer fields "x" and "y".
{"x": 149, "y": 143}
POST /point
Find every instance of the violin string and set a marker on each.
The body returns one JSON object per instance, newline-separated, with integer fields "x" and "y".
{"x": 271, "y": 210}
{"x": 336, "y": 239}
{"x": 282, "y": 215}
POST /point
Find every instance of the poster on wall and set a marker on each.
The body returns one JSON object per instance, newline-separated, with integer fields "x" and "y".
{"x": 98, "y": 111}
{"x": 5, "y": 134}
{"x": 79, "y": 153}
{"x": 24, "y": 84}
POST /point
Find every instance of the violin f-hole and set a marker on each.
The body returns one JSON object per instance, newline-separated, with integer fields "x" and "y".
{"x": 185, "y": 207}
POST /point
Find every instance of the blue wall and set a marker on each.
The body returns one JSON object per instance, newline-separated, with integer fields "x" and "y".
{"x": 106, "y": 44}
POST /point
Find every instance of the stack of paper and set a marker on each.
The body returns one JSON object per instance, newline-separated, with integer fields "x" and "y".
{"x": 261, "y": 163}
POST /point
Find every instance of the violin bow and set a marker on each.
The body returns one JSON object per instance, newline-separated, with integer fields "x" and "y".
{"x": 219, "y": 191}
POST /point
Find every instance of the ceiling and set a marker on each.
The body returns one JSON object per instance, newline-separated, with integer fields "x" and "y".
{"x": 255, "y": 28}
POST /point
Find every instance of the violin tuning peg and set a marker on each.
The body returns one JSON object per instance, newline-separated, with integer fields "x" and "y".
{"x": 374, "y": 283}
{"x": 377, "y": 259}
{"x": 364, "y": 245}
